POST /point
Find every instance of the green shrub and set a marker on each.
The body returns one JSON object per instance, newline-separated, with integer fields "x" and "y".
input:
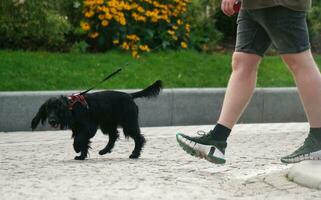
{"x": 204, "y": 34}
{"x": 79, "y": 47}
{"x": 314, "y": 19}
{"x": 225, "y": 24}
{"x": 55, "y": 25}
{"x": 210, "y": 27}
{"x": 36, "y": 24}
{"x": 136, "y": 26}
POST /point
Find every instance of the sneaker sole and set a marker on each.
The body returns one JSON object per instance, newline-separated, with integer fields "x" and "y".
{"x": 311, "y": 156}
{"x": 199, "y": 154}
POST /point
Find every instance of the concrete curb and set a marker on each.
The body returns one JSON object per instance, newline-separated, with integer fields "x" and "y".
{"x": 306, "y": 173}
{"x": 174, "y": 107}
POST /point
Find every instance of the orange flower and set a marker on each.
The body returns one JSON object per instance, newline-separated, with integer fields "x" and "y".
{"x": 135, "y": 54}
{"x": 144, "y": 48}
{"x": 188, "y": 27}
{"x": 131, "y": 16}
{"x": 184, "y": 45}
{"x": 89, "y": 14}
{"x": 85, "y": 26}
{"x": 104, "y": 23}
{"x": 94, "y": 35}
{"x": 101, "y": 17}
{"x": 171, "y": 32}
{"x": 140, "y": 9}
{"x": 125, "y": 46}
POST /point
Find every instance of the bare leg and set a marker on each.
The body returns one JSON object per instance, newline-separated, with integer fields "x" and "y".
{"x": 308, "y": 80}
{"x": 239, "y": 91}
{"x": 240, "y": 87}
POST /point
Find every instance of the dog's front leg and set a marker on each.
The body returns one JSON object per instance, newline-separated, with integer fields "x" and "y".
{"x": 81, "y": 144}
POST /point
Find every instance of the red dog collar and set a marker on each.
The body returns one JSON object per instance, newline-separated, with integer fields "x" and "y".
{"x": 74, "y": 98}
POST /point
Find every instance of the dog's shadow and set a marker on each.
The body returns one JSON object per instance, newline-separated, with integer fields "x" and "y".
{"x": 110, "y": 160}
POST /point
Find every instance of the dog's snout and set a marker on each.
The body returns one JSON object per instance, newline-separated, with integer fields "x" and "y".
{"x": 52, "y": 121}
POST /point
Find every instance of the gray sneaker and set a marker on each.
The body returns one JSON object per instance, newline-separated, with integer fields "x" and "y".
{"x": 204, "y": 146}
{"x": 310, "y": 150}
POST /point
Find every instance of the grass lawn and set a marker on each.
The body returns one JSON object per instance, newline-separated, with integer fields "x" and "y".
{"x": 24, "y": 71}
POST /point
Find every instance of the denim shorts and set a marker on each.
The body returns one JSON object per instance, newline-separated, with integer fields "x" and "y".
{"x": 286, "y": 29}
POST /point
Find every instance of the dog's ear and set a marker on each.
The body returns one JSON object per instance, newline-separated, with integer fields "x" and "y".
{"x": 64, "y": 113}
{"x": 40, "y": 116}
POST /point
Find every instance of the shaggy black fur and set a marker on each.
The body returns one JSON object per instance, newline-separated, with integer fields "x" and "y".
{"x": 107, "y": 110}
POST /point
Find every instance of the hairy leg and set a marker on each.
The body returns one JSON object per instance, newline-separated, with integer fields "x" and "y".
{"x": 113, "y": 136}
{"x": 240, "y": 87}
{"x": 133, "y": 131}
{"x": 81, "y": 144}
{"x": 139, "y": 144}
{"x": 308, "y": 80}
{"x": 82, "y": 139}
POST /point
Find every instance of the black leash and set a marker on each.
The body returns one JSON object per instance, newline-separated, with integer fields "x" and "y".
{"x": 105, "y": 79}
{"x": 112, "y": 74}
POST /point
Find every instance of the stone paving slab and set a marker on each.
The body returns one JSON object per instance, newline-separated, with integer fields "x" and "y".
{"x": 307, "y": 173}
{"x": 40, "y": 165}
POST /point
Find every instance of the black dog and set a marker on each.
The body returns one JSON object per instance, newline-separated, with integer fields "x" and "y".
{"x": 83, "y": 114}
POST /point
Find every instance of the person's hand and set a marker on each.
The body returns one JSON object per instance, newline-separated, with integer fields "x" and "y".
{"x": 227, "y": 7}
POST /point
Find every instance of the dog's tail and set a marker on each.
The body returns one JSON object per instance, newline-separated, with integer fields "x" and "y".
{"x": 151, "y": 91}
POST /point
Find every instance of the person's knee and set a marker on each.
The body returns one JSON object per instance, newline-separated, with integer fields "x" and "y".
{"x": 245, "y": 64}
{"x": 292, "y": 64}
{"x": 298, "y": 62}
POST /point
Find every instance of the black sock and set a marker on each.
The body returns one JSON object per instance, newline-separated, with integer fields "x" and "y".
{"x": 316, "y": 133}
{"x": 220, "y": 132}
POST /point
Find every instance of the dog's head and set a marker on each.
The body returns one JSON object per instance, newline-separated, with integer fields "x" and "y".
{"x": 56, "y": 111}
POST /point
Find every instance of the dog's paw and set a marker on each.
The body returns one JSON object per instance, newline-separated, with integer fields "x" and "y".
{"x": 80, "y": 158}
{"x": 134, "y": 156}
{"x": 104, "y": 151}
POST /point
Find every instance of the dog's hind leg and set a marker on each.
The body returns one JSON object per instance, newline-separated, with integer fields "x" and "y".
{"x": 139, "y": 144}
{"x": 139, "y": 141}
{"x": 113, "y": 136}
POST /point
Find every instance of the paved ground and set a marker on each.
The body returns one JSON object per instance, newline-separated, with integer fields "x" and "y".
{"x": 40, "y": 165}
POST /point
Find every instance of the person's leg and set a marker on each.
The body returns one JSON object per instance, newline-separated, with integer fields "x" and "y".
{"x": 308, "y": 80}
{"x": 251, "y": 43}
{"x": 240, "y": 87}
{"x": 289, "y": 33}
